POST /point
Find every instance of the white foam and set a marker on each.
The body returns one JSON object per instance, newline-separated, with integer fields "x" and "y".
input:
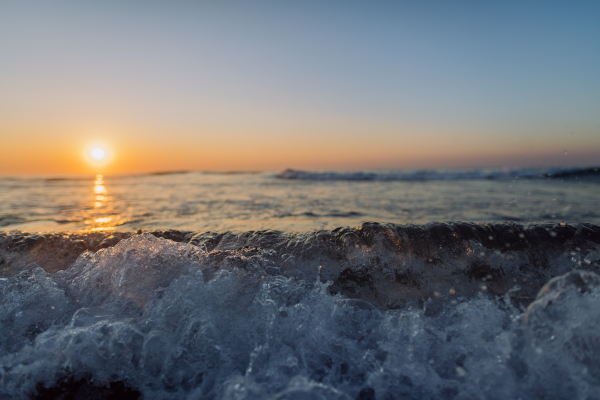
{"x": 155, "y": 315}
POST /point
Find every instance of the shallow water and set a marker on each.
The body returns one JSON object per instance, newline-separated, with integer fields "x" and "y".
{"x": 490, "y": 310}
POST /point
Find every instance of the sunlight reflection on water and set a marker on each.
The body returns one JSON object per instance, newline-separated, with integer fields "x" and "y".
{"x": 103, "y": 216}
{"x": 254, "y": 201}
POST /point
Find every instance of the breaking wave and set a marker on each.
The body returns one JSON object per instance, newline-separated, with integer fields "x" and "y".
{"x": 382, "y": 311}
{"x": 445, "y": 175}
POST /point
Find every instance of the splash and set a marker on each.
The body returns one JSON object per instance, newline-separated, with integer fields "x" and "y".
{"x": 384, "y": 311}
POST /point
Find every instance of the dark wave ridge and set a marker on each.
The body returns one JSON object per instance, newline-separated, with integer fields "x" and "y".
{"x": 386, "y": 264}
{"x": 444, "y": 175}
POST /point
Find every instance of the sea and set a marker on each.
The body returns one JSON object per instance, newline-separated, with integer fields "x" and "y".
{"x": 376, "y": 284}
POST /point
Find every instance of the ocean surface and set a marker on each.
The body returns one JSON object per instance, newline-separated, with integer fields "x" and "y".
{"x": 425, "y": 284}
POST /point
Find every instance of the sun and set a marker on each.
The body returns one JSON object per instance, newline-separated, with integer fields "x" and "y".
{"x": 98, "y": 153}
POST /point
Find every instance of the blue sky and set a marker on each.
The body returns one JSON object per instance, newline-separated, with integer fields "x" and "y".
{"x": 316, "y": 84}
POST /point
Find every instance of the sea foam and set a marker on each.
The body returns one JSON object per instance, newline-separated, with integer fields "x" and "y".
{"x": 270, "y": 315}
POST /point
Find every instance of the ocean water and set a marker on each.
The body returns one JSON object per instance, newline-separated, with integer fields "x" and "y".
{"x": 437, "y": 284}
{"x": 297, "y": 200}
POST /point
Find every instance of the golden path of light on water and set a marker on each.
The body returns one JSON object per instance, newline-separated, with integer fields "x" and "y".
{"x": 103, "y": 216}
{"x": 100, "y": 213}
{"x": 99, "y": 189}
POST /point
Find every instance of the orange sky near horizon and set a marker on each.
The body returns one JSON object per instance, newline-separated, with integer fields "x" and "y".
{"x": 67, "y": 151}
{"x": 306, "y": 85}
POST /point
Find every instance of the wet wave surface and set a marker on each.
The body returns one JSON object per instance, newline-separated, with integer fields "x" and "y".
{"x": 381, "y": 311}
{"x": 445, "y": 175}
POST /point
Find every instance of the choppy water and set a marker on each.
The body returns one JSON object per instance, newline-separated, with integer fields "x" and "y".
{"x": 298, "y": 201}
{"x": 210, "y": 302}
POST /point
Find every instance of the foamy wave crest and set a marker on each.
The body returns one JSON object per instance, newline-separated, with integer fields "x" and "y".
{"x": 379, "y": 311}
{"x": 445, "y": 175}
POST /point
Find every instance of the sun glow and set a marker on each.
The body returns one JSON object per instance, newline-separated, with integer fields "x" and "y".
{"x": 98, "y": 153}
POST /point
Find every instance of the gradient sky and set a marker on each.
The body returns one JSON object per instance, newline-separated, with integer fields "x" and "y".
{"x": 255, "y": 85}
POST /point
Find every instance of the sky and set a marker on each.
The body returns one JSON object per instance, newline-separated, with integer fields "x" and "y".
{"x": 318, "y": 85}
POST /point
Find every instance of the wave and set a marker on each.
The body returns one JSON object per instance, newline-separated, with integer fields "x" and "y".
{"x": 368, "y": 255}
{"x": 443, "y": 310}
{"x": 202, "y": 172}
{"x": 444, "y": 175}
{"x": 168, "y": 172}
{"x": 6, "y": 220}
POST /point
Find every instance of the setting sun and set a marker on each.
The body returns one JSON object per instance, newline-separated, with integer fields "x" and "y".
{"x": 98, "y": 154}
